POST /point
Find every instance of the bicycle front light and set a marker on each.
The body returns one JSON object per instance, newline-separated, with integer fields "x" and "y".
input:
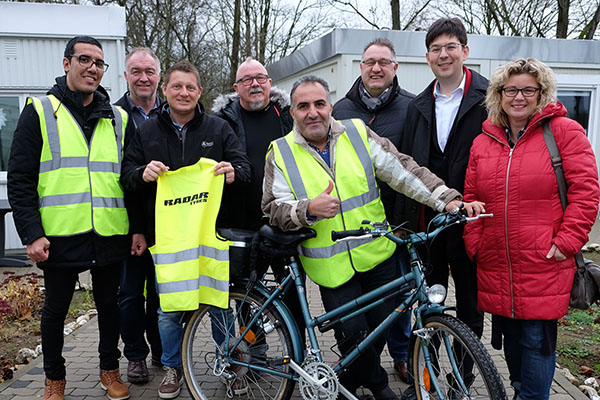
{"x": 436, "y": 294}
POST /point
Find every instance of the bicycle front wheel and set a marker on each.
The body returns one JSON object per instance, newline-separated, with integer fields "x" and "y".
{"x": 209, "y": 374}
{"x": 461, "y": 365}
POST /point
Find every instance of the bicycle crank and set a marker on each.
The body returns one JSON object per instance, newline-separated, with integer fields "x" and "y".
{"x": 318, "y": 381}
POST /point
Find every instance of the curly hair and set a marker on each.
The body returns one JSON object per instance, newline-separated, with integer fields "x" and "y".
{"x": 540, "y": 71}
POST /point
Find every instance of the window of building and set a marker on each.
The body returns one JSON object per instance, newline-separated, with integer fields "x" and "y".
{"x": 577, "y": 103}
{"x": 9, "y": 115}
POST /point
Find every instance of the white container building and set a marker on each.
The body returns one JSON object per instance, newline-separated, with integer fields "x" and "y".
{"x": 32, "y": 42}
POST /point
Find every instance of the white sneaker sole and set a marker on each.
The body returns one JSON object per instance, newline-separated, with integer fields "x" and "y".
{"x": 112, "y": 398}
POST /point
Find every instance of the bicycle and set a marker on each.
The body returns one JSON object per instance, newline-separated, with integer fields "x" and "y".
{"x": 261, "y": 346}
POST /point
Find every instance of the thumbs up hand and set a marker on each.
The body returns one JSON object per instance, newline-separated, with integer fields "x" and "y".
{"x": 324, "y": 205}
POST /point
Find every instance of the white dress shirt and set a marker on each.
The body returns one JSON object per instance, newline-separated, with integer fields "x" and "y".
{"x": 446, "y": 108}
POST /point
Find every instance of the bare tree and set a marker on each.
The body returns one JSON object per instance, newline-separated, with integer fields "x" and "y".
{"x": 408, "y": 15}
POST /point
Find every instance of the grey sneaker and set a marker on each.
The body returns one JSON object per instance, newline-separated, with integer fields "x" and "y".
{"x": 170, "y": 387}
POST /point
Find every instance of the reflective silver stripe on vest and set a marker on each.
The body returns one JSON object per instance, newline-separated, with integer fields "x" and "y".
{"x": 334, "y": 249}
{"x": 63, "y": 162}
{"x": 105, "y": 166}
{"x": 118, "y": 124}
{"x": 292, "y": 168}
{"x": 193, "y": 284}
{"x": 108, "y": 202}
{"x": 365, "y": 160}
{"x": 53, "y": 138}
{"x": 191, "y": 254}
{"x": 65, "y": 199}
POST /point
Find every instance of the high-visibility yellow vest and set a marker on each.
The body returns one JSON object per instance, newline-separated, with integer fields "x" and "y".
{"x": 78, "y": 186}
{"x": 192, "y": 264}
{"x": 326, "y": 262}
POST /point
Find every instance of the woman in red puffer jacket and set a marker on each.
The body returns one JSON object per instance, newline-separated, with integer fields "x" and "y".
{"x": 524, "y": 254}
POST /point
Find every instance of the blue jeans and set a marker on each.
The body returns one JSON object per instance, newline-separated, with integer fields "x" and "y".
{"x": 399, "y": 334}
{"x": 139, "y": 314}
{"x": 170, "y": 326}
{"x": 221, "y": 321}
{"x": 529, "y": 370}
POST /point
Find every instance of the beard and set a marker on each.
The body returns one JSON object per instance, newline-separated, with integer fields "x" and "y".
{"x": 257, "y": 105}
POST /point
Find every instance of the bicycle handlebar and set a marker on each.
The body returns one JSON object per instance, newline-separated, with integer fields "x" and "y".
{"x": 440, "y": 222}
{"x": 335, "y": 236}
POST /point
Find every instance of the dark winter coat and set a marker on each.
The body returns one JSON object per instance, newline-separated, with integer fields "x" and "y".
{"x": 158, "y": 139}
{"x": 80, "y": 251}
{"x": 241, "y": 207}
{"x": 387, "y": 120}
{"x": 420, "y": 130}
{"x": 514, "y": 277}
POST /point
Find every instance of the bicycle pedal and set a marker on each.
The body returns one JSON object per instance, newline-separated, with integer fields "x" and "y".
{"x": 280, "y": 361}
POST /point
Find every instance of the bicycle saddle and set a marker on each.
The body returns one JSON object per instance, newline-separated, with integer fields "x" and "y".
{"x": 235, "y": 234}
{"x": 286, "y": 238}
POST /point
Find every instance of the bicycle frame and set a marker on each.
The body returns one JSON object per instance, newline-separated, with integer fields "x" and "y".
{"x": 412, "y": 283}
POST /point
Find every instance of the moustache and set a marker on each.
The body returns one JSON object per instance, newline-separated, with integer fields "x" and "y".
{"x": 256, "y": 90}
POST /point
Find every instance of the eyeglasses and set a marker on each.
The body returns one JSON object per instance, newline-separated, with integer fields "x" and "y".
{"x": 87, "y": 62}
{"x": 247, "y": 80}
{"x": 512, "y": 91}
{"x": 450, "y": 48}
{"x": 383, "y": 62}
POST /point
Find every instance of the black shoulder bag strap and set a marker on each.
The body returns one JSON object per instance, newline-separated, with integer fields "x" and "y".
{"x": 560, "y": 175}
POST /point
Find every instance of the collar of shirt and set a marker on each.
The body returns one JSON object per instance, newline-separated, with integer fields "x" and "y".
{"x": 508, "y": 132}
{"x": 175, "y": 124}
{"x": 325, "y": 153}
{"x": 140, "y": 109}
{"x": 446, "y": 108}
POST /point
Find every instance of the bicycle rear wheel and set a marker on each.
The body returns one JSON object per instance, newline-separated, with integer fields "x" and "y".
{"x": 209, "y": 375}
{"x": 461, "y": 365}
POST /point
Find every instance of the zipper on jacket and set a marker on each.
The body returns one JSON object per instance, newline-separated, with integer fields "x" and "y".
{"x": 512, "y": 299}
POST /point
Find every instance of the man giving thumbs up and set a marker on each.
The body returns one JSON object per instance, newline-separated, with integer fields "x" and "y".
{"x": 347, "y": 157}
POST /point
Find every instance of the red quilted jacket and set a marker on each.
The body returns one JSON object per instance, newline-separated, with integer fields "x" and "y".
{"x": 514, "y": 277}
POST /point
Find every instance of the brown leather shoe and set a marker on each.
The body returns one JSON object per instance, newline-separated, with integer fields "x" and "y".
{"x": 400, "y": 367}
{"x": 55, "y": 390}
{"x": 111, "y": 381}
{"x": 137, "y": 371}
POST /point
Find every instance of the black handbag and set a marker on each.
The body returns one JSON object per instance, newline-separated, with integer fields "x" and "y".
{"x": 586, "y": 282}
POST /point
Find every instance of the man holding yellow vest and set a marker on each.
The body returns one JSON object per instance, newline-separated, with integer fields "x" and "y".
{"x": 180, "y": 140}
{"x": 68, "y": 204}
{"x": 322, "y": 175}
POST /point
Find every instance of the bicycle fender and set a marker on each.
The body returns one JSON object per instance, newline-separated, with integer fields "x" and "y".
{"x": 436, "y": 309}
{"x": 289, "y": 320}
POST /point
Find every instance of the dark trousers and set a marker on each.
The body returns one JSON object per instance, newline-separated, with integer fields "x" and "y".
{"x": 60, "y": 285}
{"x": 446, "y": 258}
{"x": 139, "y": 314}
{"x": 366, "y": 370}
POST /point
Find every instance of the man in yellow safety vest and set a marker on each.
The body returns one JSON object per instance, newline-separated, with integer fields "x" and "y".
{"x": 68, "y": 205}
{"x": 322, "y": 175}
{"x": 180, "y": 135}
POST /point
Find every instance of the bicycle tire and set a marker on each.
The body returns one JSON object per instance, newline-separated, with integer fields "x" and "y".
{"x": 200, "y": 349}
{"x": 448, "y": 334}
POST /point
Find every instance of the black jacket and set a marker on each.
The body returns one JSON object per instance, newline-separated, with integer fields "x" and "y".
{"x": 158, "y": 139}
{"x": 80, "y": 251}
{"x": 420, "y": 130}
{"x": 387, "y": 120}
{"x": 133, "y": 199}
{"x": 242, "y": 202}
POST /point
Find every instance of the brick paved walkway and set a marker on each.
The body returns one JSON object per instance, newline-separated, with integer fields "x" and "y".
{"x": 81, "y": 356}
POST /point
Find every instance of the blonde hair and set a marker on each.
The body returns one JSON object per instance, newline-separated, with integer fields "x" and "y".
{"x": 540, "y": 71}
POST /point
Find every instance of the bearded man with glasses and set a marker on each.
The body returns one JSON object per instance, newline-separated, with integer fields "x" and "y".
{"x": 68, "y": 205}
